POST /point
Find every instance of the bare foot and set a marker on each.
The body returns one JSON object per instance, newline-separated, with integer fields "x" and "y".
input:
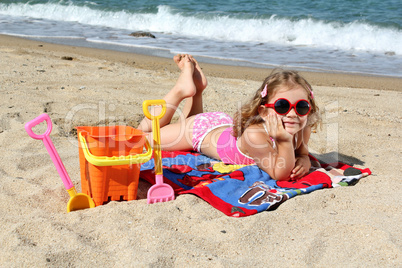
{"x": 185, "y": 86}
{"x": 200, "y": 80}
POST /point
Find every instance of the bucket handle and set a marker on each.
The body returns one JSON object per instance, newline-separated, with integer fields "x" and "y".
{"x": 114, "y": 160}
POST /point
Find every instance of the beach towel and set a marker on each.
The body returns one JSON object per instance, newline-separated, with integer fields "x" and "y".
{"x": 240, "y": 191}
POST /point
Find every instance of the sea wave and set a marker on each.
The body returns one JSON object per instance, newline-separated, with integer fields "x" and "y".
{"x": 308, "y": 32}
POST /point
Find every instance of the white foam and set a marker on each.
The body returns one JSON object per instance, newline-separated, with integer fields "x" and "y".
{"x": 309, "y": 32}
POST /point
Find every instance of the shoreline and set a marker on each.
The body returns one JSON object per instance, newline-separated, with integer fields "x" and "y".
{"x": 149, "y": 62}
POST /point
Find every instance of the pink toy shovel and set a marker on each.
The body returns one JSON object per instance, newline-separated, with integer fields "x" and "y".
{"x": 77, "y": 200}
{"x": 160, "y": 192}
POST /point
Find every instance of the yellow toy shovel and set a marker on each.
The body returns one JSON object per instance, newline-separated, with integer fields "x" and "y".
{"x": 160, "y": 192}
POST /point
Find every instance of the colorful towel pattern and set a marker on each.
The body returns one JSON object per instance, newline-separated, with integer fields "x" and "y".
{"x": 240, "y": 191}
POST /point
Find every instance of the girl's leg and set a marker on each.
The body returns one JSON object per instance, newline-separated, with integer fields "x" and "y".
{"x": 184, "y": 88}
{"x": 179, "y": 136}
{"x": 194, "y": 104}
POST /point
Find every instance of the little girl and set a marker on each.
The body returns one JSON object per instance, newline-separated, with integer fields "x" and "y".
{"x": 271, "y": 130}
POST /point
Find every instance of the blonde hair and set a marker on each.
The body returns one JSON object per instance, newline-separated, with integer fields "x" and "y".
{"x": 248, "y": 114}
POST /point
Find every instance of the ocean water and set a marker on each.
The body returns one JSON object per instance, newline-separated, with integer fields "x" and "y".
{"x": 349, "y": 36}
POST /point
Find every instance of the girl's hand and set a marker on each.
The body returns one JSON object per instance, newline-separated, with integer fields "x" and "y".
{"x": 301, "y": 169}
{"x": 276, "y": 129}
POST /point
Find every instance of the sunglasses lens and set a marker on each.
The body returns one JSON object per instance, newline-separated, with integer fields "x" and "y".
{"x": 303, "y": 107}
{"x": 282, "y": 106}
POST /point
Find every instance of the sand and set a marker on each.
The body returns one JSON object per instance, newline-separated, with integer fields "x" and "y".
{"x": 357, "y": 226}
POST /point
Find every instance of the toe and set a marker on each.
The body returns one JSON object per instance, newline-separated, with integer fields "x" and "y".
{"x": 177, "y": 58}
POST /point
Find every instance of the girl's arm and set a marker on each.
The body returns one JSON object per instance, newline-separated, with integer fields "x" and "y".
{"x": 303, "y": 163}
{"x": 277, "y": 163}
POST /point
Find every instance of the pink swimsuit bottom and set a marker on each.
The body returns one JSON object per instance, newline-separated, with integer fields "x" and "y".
{"x": 206, "y": 122}
{"x": 226, "y": 147}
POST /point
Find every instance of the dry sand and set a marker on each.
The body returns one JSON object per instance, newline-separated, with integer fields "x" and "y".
{"x": 356, "y": 226}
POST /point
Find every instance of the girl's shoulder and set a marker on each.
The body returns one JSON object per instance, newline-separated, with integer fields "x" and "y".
{"x": 255, "y": 140}
{"x": 255, "y": 128}
{"x": 255, "y": 133}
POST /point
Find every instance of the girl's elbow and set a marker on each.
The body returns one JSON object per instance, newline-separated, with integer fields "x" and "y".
{"x": 281, "y": 176}
{"x": 277, "y": 174}
{"x": 286, "y": 178}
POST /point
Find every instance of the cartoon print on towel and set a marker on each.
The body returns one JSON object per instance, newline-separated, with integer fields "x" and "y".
{"x": 260, "y": 193}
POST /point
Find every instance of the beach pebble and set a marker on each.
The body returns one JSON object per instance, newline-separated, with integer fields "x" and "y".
{"x": 67, "y": 58}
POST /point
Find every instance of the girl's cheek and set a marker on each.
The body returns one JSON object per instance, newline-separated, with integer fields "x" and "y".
{"x": 304, "y": 123}
{"x": 271, "y": 112}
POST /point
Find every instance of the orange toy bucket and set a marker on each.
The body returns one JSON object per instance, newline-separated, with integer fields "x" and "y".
{"x": 110, "y": 159}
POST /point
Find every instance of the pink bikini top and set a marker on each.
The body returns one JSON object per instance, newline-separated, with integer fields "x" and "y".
{"x": 229, "y": 152}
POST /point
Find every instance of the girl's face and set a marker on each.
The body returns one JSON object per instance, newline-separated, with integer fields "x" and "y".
{"x": 292, "y": 122}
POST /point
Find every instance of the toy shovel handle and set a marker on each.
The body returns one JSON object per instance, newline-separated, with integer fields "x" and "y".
{"x": 155, "y": 130}
{"x": 147, "y": 103}
{"x": 37, "y": 121}
{"x": 49, "y": 146}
